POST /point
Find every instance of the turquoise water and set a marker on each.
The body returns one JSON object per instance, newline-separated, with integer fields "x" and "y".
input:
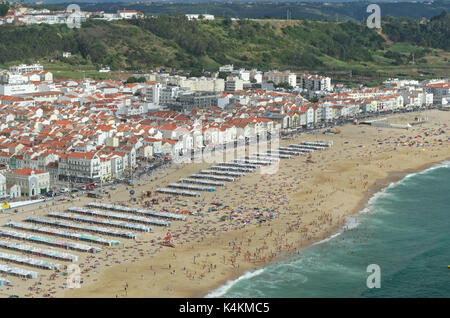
{"x": 405, "y": 229}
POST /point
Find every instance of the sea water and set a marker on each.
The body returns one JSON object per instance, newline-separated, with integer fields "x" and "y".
{"x": 405, "y": 230}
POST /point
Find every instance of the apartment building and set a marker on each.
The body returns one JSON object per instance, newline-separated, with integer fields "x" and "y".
{"x": 234, "y": 84}
{"x": 26, "y": 69}
{"x": 439, "y": 91}
{"x": 169, "y": 94}
{"x": 197, "y": 99}
{"x": 315, "y": 83}
{"x": 281, "y": 77}
{"x": 80, "y": 167}
{"x": 153, "y": 92}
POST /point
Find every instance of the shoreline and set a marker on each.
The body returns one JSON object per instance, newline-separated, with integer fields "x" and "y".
{"x": 343, "y": 180}
{"x": 309, "y": 203}
{"x": 378, "y": 187}
{"x": 394, "y": 177}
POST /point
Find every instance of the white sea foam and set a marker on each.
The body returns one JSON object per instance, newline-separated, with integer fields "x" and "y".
{"x": 222, "y": 290}
{"x": 328, "y": 238}
{"x": 351, "y": 223}
{"x": 444, "y": 164}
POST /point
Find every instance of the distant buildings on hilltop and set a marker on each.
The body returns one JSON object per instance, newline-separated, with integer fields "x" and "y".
{"x": 27, "y": 16}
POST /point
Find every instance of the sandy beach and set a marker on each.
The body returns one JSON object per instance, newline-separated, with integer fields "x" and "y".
{"x": 300, "y": 204}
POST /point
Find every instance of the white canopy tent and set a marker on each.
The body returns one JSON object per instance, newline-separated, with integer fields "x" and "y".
{"x": 83, "y": 227}
{"x": 203, "y": 181}
{"x": 178, "y": 192}
{"x": 49, "y": 241}
{"x": 126, "y": 209}
{"x": 15, "y": 271}
{"x": 38, "y": 251}
{"x": 211, "y": 177}
{"x": 22, "y": 260}
{"x": 118, "y": 216}
{"x": 191, "y": 187}
{"x": 94, "y": 220}
{"x": 71, "y": 235}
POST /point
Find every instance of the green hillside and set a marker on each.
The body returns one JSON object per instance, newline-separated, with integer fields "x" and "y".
{"x": 173, "y": 41}
{"x": 307, "y": 10}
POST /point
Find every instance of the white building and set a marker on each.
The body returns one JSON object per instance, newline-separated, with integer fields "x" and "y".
{"x": 281, "y": 77}
{"x": 129, "y": 14}
{"x": 234, "y": 84}
{"x": 200, "y": 16}
{"x": 315, "y": 83}
{"x": 16, "y": 89}
{"x": 169, "y": 94}
{"x": 32, "y": 182}
{"x": 153, "y": 92}
{"x": 326, "y": 113}
{"x": 226, "y": 68}
{"x": 439, "y": 91}
{"x": 256, "y": 76}
{"x": 13, "y": 191}
{"x": 396, "y": 83}
{"x": 26, "y": 69}
{"x": 204, "y": 84}
{"x": 83, "y": 166}
{"x": 2, "y": 186}
{"x": 241, "y": 74}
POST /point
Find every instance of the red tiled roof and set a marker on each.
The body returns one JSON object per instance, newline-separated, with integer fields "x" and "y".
{"x": 27, "y": 171}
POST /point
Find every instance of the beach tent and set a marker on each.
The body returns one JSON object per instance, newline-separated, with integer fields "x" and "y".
{"x": 56, "y": 232}
{"x": 136, "y": 211}
{"x": 94, "y": 220}
{"x": 88, "y": 228}
{"x": 118, "y": 216}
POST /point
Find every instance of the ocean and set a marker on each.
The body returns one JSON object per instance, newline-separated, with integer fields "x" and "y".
{"x": 404, "y": 229}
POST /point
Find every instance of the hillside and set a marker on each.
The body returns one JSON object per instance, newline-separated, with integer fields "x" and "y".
{"x": 316, "y": 10}
{"x": 173, "y": 41}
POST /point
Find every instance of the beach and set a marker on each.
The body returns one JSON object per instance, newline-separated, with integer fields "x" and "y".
{"x": 307, "y": 202}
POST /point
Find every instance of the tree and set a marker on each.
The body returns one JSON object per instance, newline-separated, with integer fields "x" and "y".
{"x": 223, "y": 75}
{"x": 133, "y": 79}
{"x": 283, "y": 85}
{"x": 227, "y": 21}
{"x": 3, "y": 9}
{"x": 196, "y": 72}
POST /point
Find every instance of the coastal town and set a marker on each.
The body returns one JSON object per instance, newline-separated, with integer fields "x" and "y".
{"x": 91, "y": 131}
{"x": 100, "y": 157}
{"x": 238, "y": 150}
